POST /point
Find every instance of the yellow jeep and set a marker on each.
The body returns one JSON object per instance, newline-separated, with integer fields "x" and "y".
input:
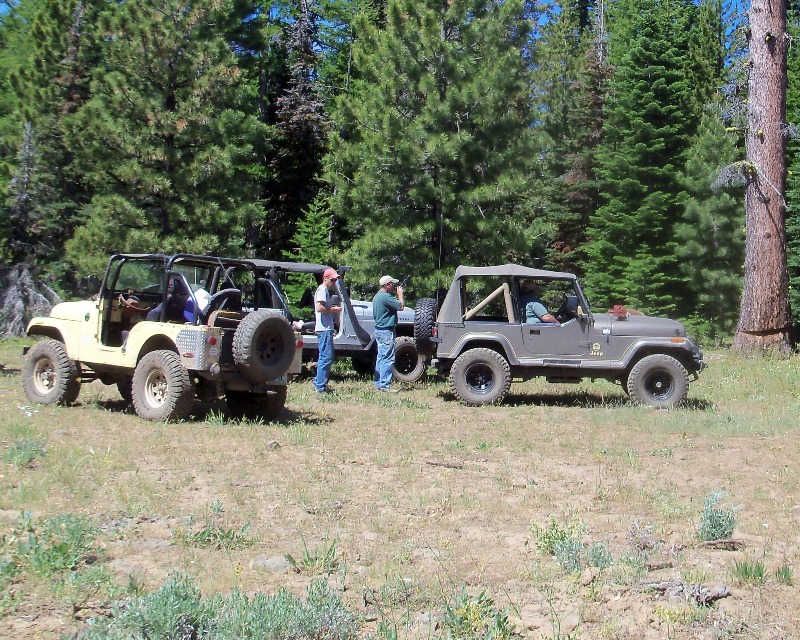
{"x": 168, "y": 330}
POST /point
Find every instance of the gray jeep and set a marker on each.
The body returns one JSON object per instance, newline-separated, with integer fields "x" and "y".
{"x": 354, "y": 327}
{"x": 167, "y": 330}
{"x": 479, "y": 338}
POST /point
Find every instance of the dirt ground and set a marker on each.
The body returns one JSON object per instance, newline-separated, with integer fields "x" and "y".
{"x": 423, "y": 497}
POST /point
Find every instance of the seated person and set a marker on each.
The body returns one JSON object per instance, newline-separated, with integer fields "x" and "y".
{"x": 177, "y": 296}
{"x": 535, "y": 311}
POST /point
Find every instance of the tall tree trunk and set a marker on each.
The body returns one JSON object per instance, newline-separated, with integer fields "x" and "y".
{"x": 765, "y": 318}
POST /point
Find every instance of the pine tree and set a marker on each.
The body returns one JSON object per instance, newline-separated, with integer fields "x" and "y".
{"x": 54, "y": 49}
{"x": 28, "y": 208}
{"x": 300, "y": 123}
{"x": 711, "y": 232}
{"x": 765, "y": 317}
{"x": 311, "y": 242}
{"x": 164, "y": 138}
{"x": 632, "y": 249}
{"x": 429, "y": 158}
{"x": 569, "y": 79}
{"x": 793, "y": 162}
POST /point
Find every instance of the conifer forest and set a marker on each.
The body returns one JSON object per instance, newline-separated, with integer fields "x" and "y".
{"x": 610, "y": 138}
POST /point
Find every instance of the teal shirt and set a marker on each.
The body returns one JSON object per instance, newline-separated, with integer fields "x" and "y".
{"x": 384, "y": 309}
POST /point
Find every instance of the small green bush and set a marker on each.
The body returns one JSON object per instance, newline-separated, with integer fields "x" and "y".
{"x": 24, "y": 452}
{"x": 598, "y": 555}
{"x": 548, "y": 537}
{"x": 178, "y": 610}
{"x": 62, "y": 543}
{"x": 470, "y": 618}
{"x": 567, "y": 553}
{"x": 716, "y": 523}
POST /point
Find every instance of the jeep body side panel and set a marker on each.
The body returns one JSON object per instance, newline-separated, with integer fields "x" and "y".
{"x": 571, "y": 339}
{"x": 75, "y": 322}
{"x": 504, "y": 335}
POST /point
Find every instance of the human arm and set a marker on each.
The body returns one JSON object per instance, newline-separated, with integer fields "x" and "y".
{"x": 400, "y": 299}
{"x": 322, "y": 303}
{"x": 536, "y": 311}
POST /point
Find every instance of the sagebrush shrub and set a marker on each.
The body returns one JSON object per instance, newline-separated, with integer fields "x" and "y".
{"x": 716, "y": 523}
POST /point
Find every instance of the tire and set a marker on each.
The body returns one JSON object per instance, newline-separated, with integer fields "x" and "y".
{"x": 480, "y": 376}
{"x": 658, "y": 381}
{"x": 409, "y": 364}
{"x": 252, "y": 406}
{"x": 125, "y": 388}
{"x": 162, "y": 388}
{"x": 263, "y": 345}
{"x": 424, "y": 319}
{"x": 49, "y": 376}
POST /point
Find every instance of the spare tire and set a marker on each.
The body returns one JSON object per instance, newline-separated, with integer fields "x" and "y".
{"x": 409, "y": 364}
{"x": 263, "y": 345}
{"x": 424, "y": 319}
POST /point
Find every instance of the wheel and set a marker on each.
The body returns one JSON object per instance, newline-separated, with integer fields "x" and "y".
{"x": 162, "y": 388}
{"x": 124, "y": 387}
{"x": 252, "y": 406}
{"x": 263, "y": 345}
{"x": 480, "y": 376}
{"x": 424, "y": 319}
{"x": 409, "y": 365}
{"x": 658, "y": 380}
{"x": 364, "y": 364}
{"x": 49, "y": 376}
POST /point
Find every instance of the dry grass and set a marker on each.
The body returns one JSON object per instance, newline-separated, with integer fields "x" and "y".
{"x": 425, "y": 498}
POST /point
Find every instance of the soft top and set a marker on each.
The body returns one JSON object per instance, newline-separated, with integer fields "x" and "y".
{"x": 295, "y": 267}
{"x": 515, "y": 270}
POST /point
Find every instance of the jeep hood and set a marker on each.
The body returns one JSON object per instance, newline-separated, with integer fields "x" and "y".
{"x": 634, "y": 325}
{"x": 73, "y": 310}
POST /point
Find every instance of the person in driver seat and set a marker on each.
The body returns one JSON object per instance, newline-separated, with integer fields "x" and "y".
{"x": 532, "y": 305}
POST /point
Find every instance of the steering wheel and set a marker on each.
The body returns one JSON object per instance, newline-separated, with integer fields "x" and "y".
{"x": 134, "y": 303}
{"x": 565, "y": 312}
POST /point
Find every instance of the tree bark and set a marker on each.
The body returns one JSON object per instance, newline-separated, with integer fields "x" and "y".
{"x": 765, "y": 317}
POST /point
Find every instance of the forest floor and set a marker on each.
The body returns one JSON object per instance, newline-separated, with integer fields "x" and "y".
{"x": 414, "y": 502}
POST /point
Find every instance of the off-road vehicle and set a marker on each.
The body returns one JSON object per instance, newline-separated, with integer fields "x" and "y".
{"x": 354, "y": 335}
{"x": 479, "y": 338}
{"x": 167, "y": 330}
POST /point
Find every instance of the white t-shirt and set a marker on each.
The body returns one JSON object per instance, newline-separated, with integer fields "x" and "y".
{"x": 324, "y": 321}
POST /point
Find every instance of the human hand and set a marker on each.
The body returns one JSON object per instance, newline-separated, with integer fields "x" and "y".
{"x": 336, "y": 309}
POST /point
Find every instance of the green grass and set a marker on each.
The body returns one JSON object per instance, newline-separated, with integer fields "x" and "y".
{"x": 749, "y": 572}
{"x": 321, "y": 560}
{"x": 213, "y": 532}
{"x": 360, "y": 466}
{"x": 785, "y": 575}
{"x": 25, "y": 452}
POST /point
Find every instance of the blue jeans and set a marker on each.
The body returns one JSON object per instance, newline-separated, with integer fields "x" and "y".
{"x": 385, "y": 360}
{"x": 325, "y": 359}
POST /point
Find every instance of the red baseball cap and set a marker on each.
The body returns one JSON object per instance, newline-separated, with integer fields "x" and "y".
{"x": 330, "y": 273}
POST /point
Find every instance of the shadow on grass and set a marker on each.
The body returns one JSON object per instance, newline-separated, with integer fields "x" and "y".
{"x": 209, "y": 412}
{"x": 6, "y": 371}
{"x": 583, "y": 401}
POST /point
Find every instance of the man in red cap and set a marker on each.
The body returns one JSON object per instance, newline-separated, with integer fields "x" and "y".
{"x": 324, "y": 313}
